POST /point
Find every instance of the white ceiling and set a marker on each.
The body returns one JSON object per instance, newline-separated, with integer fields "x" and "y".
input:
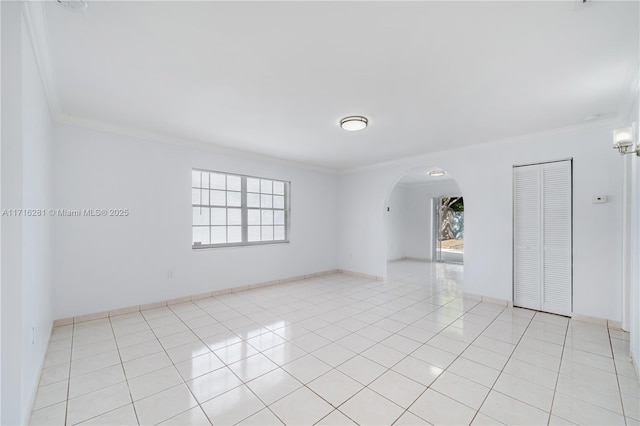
{"x": 274, "y": 78}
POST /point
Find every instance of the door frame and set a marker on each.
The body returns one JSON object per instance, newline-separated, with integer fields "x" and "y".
{"x": 513, "y": 223}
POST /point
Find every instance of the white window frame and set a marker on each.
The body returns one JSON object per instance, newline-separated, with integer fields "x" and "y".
{"x": 244, "y": 212}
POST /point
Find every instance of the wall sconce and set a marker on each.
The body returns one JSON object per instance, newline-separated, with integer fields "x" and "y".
{"x": 623, "y": 141}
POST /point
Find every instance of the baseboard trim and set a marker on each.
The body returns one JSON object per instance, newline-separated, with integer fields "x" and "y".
{"x": 418, "y": 259}
{"x": 615, "y": 324}
{"x": 574, "y": 317}
{"x": 589, "y": 319}
{"x": 494, "y": 300}
{"x": 184, "y": 299}
{"x": 596, "y": 320}
{"x": 361, "y": 275}
{"x": 414, "y": 259}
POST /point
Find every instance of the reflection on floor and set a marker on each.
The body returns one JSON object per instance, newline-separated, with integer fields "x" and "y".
{"x": 340, "y": 350}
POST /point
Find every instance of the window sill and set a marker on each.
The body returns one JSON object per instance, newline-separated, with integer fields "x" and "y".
{"x": 217, "y": 246}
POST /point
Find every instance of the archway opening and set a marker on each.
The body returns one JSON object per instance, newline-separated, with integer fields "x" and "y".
{"x": 424, "y": 219}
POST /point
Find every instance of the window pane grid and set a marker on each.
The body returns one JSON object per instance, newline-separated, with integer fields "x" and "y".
{"x": 237, "y": 210}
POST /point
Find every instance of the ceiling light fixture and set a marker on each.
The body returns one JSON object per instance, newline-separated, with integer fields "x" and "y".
{"x": 437, "y": 173}
{"x": 74, "y": 4}
{"x": 354, "y": 123}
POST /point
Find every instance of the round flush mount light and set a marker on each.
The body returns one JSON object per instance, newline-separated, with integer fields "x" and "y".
{"x": 436, "y": 173}
{"x": 354, "y": 123}
{"x": 74, "y": 4}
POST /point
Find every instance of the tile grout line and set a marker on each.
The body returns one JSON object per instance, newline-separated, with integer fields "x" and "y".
{"x": 615, "y": 369}
{"x": 555, "y": 387}
{"x": 223, "y": 362}
{"x": 406, "y": 355}
{"x": 174, "y": 364}
{"x": 66, "y": 409}
{"x": 557, "y": 373}
{"x": 406, "y": 410}
{"x": 379, "y": 343}
{"x": 372, "y": 300}
{"x": 422, "y": 344}
{"x": 241, "y": 314}
{"x": 243, "y": 382}
{"x": 306, "y": 385}
{"x": 336, "y": 408}
{"x": 509, "y": 358}
{"x": 184, "y": 382}
{"x": 454, "y": 360}
{"x": 100, "y": 369}
{"x": 126, "y": 378}
{"x": 278, "y": 367}
{"x": 497, "y": 377}
{"x": 609, "y": 344}
{"x": 450, "y": 324}
{"x": 198, "y": 307}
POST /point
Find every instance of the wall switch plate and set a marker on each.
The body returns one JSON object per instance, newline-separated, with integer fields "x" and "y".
{"x": 599, "y": 199}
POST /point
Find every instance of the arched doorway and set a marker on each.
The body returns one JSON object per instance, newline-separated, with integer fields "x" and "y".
{"x": 424, "y": 219}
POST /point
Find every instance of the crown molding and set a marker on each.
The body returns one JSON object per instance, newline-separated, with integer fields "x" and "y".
{"x": 33, "y": 14}
{"x": 136, "y": 133}
{"x": 427, "y": 184}
{"x": 603, "y": 123}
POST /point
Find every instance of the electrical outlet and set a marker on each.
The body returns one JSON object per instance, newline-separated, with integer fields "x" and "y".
{"x": 170, "y": 274}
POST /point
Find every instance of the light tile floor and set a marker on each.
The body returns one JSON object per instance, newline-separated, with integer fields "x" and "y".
{"x": 339, "y": 350}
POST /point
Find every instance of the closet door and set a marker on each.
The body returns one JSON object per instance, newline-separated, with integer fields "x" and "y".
{"x": 542, "y": 235}
{"x": 556, "y": 238}
{"x": 526, "y": 237}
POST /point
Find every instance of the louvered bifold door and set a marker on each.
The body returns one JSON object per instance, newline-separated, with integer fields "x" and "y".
{"x": 527, "y": 251}
{"x": 556, "y": 237}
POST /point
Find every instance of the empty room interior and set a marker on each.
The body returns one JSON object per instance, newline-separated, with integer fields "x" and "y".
{"x": 331, "y": 213}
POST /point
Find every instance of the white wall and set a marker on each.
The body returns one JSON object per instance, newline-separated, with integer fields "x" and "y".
{"x": 484, "y": 175}
{"x": 11, "y": 195}
{"x": 105, "y": 263}
{"x": 395, "y": 223}
{"x": 37, "y": 231}
{"x": 26, "y": 241}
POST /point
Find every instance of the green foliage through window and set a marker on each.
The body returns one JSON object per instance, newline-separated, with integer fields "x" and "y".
{"x": 457, "y": 203}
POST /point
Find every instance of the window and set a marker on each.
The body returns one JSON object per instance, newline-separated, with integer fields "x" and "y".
{"x": 230, "y": 210}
